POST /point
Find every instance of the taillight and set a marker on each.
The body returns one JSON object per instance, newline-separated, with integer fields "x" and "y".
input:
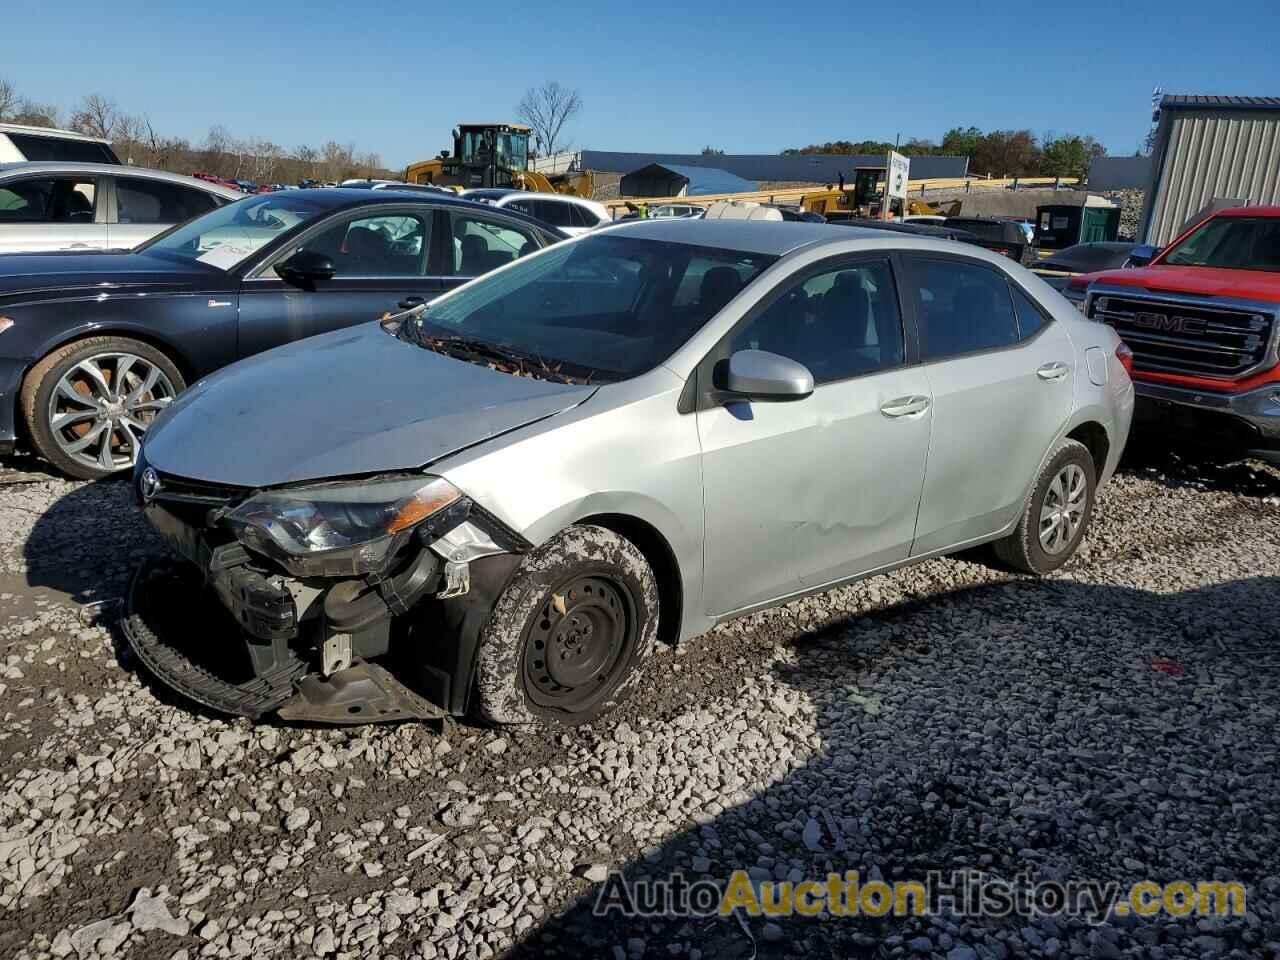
{"x": 1125, "y": 355}
{"x": 1003, "y": 251}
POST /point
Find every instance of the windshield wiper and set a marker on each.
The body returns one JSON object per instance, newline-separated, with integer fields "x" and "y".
{"x": 498, "y": 357}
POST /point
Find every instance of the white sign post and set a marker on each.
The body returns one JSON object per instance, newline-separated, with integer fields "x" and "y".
{"x": 897, "y": 176}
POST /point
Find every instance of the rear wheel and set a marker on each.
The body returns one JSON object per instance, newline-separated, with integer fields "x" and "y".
{"x": 88, "y": 404}
{"x": 566, "y": 638}
{"x": 1056, "y": 514}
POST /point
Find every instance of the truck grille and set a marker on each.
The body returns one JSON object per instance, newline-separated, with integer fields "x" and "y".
{"x": 1173, "y": 336}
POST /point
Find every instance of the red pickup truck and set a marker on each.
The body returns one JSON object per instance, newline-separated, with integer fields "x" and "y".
{"x": 1203, "y": 320}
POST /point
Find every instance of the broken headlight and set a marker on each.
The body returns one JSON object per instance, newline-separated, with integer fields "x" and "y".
{"x": 339, "y": 529}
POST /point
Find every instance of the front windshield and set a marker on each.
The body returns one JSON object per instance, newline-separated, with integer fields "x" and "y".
{"x": 225, "y": 237}
{"x": 1238, "y": 243}
{"x": 603, "y": 308}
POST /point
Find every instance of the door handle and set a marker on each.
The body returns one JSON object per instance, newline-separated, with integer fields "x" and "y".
{"x": 1053, "y": 371}
{"x": 408, "y": 303}
{"x": 904, "y": 406}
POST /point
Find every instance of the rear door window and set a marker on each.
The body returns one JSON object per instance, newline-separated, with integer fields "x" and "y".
{"x": 582, "y": 216}
{"x": 481, "y": 244}
{"x": 48, "y": 200}
{"x": 962, "y": 308}
{"x": 555, "y": 212}
{"x": 154, "y": 201}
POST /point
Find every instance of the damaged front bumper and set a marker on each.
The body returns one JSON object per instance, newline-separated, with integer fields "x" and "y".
{"x": 323, "y": 650}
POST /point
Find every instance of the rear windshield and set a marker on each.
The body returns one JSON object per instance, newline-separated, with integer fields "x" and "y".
{"x": 606, "y": 307}
{"x": 1238, "y": 243}
{"x": 35, "y": 147}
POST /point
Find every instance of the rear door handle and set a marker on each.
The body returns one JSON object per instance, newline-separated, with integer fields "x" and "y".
{"x": 408, "y": 303}
{"x": 1053, "y": 371}
{"x": 904, "y": 406}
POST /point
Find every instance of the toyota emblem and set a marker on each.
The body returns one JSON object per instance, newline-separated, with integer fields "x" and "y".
{"x": 149, "y": 485}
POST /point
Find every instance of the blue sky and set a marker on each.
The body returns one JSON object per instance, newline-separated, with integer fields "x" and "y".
{"x": 745, "y": 77}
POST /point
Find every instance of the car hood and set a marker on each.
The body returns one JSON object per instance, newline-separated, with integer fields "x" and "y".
{"x": 354, "y": 401}
{"x": 1197, "y": 281}
{"x": 69, "y": 272}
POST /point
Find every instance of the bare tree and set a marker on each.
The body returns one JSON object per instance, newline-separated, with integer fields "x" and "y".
{"x": 307, "y": 156}
{"x": 97, "y": 116}
{"x": 547, "y": 109}
{"x": 9, "y": 99}
{"x": 36, "y": 114}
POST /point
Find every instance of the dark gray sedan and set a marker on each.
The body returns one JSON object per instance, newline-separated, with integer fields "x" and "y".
{"x": 94, "y": 345}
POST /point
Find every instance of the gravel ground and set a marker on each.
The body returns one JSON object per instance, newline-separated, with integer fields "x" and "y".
{"x": 1130, "y": 203}
{"x": 1118, "y": 721}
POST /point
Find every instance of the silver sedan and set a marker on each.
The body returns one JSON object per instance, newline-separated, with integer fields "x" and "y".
{"x": 499, "y": 503}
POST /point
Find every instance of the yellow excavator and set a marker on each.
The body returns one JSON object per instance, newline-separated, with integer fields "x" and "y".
{"x": 494, "y": 155}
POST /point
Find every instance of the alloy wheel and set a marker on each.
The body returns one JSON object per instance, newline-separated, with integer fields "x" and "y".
{"x": 1062, "y": 512}
{"x": 103, "y": 405}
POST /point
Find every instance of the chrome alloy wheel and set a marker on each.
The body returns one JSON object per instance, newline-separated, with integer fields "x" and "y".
{"x": 1062, "y": 512}
{"x": 103, "y": 405}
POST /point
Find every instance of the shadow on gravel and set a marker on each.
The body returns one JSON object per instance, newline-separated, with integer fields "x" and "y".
{"x": 1175, "y": 464}
{"x": 88, "y": 542}
{"x": 1046, "y": 729}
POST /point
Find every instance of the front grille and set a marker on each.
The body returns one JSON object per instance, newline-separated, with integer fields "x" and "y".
{"x": 1190, "y": 338}
{"x": 192, "y": 500}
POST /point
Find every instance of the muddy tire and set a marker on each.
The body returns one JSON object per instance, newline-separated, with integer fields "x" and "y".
{"x": 1056, "y": 515}
{"x": 567, "y": 637}
{"x": 88, "y": 404}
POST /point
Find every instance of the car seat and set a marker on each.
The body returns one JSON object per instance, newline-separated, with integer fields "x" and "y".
{"x": 365, "y": 251}
{"x": 475, "y": 256}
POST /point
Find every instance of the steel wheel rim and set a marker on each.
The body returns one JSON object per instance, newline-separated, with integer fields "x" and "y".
{"x": 578, "y": 643}
{"x": 102, "y": 407}
{"x": 1063, "y": 507}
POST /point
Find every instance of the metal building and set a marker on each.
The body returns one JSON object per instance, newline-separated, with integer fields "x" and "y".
{"x": 1210, "y": 150}
{"x": 678, "y": 180}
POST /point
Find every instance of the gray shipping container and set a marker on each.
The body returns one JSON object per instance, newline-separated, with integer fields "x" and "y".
{"x": 1206, "y": 149}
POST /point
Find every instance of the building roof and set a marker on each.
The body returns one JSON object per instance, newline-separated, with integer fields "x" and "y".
{"x": 1209, "y": 102}
{"x": 796, "y": 168}
{"x": 703, "y": 181}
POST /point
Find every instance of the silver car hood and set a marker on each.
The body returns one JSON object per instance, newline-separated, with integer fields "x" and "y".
{"x": 354, "y": 401}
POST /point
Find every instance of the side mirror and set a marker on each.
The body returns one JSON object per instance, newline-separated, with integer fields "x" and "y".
{"x": 304, "y": 268}
{"x": 1142, "y": 255}
{"x": 761, "y": 375}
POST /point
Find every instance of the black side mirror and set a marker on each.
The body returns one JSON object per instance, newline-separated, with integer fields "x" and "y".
{"x": 304, "y": 268}
{"x": 761, "y": 375}
{"x": 1141, "y": 255}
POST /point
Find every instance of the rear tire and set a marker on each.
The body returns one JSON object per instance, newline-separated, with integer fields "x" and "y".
{"x": 82, "y": 418}
{"x": 565, "y": 640}
{"x": 1056, "y": 514}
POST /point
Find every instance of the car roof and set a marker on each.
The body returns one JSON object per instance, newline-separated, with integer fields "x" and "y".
{"x": 53, "y": 133}
{"x": 114, "y": 170}
{"x": 1259, "y": 211}
{"x": 774, "y": 237}
{"x": 339, "y": 197}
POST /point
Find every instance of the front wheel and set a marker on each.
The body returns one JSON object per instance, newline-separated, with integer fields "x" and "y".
{"x": 566, "y": 638}
{"x": 89, "y": 403}
{"x": 1056, "y": 514}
